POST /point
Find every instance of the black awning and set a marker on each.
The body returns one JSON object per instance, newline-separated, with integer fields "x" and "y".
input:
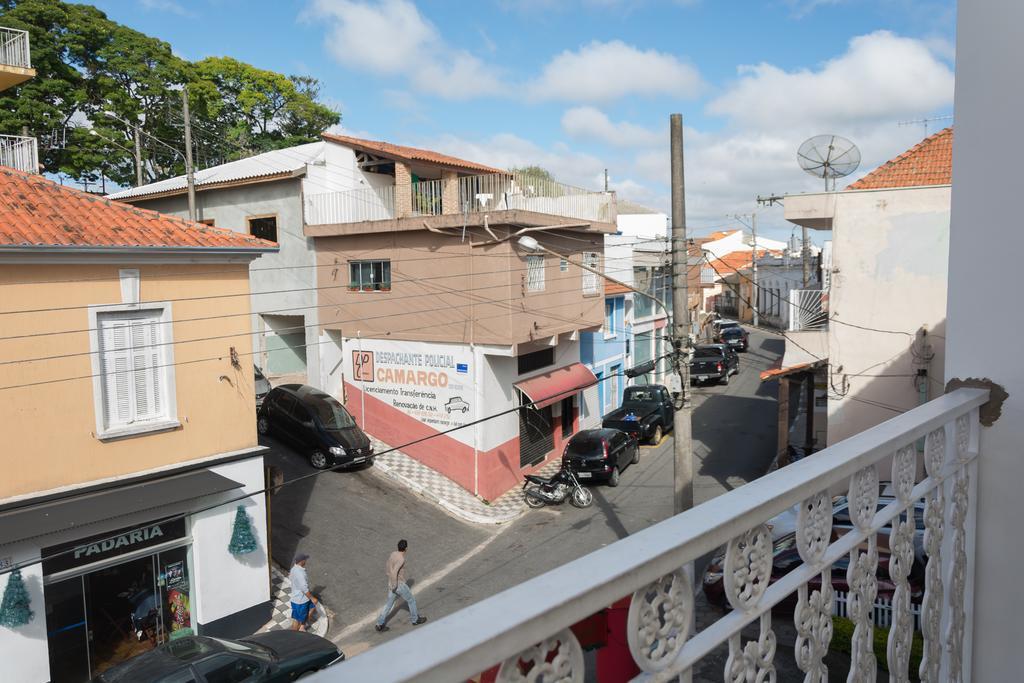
{"x": 80, "y": 511}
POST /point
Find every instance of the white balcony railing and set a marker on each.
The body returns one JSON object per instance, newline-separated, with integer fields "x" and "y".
{"x": 474, "y": 194}
{"x": 527, "y": 626}
{"x": 808, "y": 309}
{"x": 14, "y": 49}
{"x": 19, "y": 152}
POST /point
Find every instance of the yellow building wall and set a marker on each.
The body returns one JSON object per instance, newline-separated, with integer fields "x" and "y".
{"x": 49, "y": 427}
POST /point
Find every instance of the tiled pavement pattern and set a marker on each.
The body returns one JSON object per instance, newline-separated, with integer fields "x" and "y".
{"x": 446, "y": 493}
{"x": 281, "y": 616}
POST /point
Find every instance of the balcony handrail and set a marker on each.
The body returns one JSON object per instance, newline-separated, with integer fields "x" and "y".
{"x": 19, "y": 152}
{"x": 14, "y": 48}
{"x": 472, "y": 640}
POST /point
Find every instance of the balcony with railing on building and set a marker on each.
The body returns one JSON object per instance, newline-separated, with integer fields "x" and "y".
{"x": 19, "y": 152}
{"x": 15, "y": 58}
{"x": 431, "y": 191}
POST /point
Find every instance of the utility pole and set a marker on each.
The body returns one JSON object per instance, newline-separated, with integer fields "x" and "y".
{"x": 682, "y": 436}
{"x": 138, "y": 156}
{"x": 757, "y": 292}
{"x": 188, "y": 156}
{"x": 805, "y": 255}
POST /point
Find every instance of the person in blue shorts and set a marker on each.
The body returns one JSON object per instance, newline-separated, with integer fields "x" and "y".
{"x": 303, "y": 602}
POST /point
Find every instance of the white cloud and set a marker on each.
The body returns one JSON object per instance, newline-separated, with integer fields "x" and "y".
{"x": 881, "y": 77}
{"x": 602, "y": 72}
{"x": 166, "y": 6}
{"x": 392, "y": 38}
{"x": 588, "y": 123}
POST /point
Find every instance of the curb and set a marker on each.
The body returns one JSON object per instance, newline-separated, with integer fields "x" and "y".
{"x": 442, "y": 502}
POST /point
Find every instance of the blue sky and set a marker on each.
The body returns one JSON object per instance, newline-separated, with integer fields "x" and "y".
{"x": 582, "y": 85}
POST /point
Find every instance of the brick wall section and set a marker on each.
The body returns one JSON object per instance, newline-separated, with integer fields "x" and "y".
{"x": 403, "y": 190}
{"x": 450, "y": 193}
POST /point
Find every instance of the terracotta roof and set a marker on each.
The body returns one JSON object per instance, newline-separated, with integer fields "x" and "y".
{"x": 779, "y": 372}
{"x": 929, "y": 162}
{"x": 409, "y": 153}
{"x": 614, "y": 288}
{"x": 715, "y": 236}
{"x": 737, "y": 260}
{"x": 36, "y": 212}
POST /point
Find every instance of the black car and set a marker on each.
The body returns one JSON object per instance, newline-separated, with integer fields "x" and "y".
{"x": 646, "y": 413}
{"x": 714, "y": 362}
{"x": 735, "y": 337}
{"x": 316, "y": 424}
{"x": 600, "y": 454}
{"x": 262, "y": 658}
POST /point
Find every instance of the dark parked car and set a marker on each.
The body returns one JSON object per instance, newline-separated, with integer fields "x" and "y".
{"x": 786, "y": 557}
{"x": 600, "y": 454}
{"x": 262, "y": 385}
{"x": 316, "y": 424}
{"x": 736, "y": 337}
{"x": 646, "y": 413}
{"x": 714, "y": 362}
{"x": 262, "y": 658}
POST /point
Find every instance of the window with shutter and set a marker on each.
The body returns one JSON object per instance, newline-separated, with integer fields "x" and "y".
{"x": 134, "y": 368}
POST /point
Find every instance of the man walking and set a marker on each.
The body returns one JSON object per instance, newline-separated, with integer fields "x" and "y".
{"x": 303, "y": 601}
{"x": 397, "y": 588}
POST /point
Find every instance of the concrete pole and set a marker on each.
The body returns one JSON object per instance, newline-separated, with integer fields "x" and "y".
{"x": 189, "y": 171}
{"x": 682, "y": 436}
{"x": 138, "y": 156}
{"x": 805, "y": 254}
{"x": 757, "y": 292}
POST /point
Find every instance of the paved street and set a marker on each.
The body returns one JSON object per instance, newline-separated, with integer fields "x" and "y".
{"x": 349, "y": 521}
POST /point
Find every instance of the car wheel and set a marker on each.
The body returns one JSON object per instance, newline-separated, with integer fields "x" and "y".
{"x": 318, "y": 459}
{"x": 655, "y": 437}
{"x": 636, "y": 455}
{"x": 724, "y": 381}
{"x": 263, "y": 425}
{"x": 613, "y": 478}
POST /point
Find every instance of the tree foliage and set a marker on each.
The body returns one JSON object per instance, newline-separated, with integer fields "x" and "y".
{"x": 534, "y": 172}
{"x": 96, "y": 78}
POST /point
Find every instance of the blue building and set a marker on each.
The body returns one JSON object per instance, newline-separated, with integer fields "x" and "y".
{"x": 605, "y": 353}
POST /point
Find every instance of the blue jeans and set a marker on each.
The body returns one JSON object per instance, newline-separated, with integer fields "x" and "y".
{"x": 401, "y": 591}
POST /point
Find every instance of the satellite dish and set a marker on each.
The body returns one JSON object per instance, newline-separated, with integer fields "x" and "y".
{"x": 828, "y": 157}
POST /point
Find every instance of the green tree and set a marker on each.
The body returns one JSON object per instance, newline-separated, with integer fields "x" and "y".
{"x": 15, "y": 607}
{"x": 88, "y": 65}
{"x": 534, "y": 172}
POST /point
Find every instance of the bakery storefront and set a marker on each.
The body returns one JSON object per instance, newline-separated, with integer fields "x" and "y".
{"x": 116, "y": 595}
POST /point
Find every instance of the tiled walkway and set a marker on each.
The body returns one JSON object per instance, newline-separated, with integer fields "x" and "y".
{"x": 281, "y": 615}
{"x": 446, "y": 493}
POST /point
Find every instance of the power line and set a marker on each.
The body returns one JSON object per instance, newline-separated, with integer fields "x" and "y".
{"x": 267, "y": 489}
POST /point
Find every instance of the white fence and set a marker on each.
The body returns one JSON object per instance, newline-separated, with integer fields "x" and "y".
{"x": 354, "y": 206}
{"x": 881, "y": 611}
{"x": 808, "y": 309}
{"x": 14, "y": 50}
{"x": 19, "y": 152}
{"x": 526, "y": 628}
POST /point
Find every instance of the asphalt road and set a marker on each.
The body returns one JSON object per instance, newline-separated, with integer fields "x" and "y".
{"x": 349, "y": 521}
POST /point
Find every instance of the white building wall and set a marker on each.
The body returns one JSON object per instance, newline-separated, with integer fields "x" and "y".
{"x": 24, "y": 650}
{"x": 226, "y": 583}
{"x": 986, "y": 242}
{"x": 636, "y": 226}
{"x": 889, "y": 253}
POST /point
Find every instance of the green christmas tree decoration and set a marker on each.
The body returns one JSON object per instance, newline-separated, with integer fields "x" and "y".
{"x": 14, "y": 609}
{"x": 242, "y": 539}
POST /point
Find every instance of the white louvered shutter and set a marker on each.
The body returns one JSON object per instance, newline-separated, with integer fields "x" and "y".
{"x": 145, "y": 355}
{"x": 116, "y": 370}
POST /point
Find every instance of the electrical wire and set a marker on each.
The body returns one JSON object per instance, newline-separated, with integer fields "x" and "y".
{"x": 272, "y": 489}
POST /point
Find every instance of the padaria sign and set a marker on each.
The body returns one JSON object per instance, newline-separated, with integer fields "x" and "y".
{"x": 104, "y": 546}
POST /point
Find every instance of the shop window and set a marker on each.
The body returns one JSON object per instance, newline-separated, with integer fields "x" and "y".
{"x": 528, "y": 362}
{"x": 535, "y": 273}
{"x": 369, "y": 276}
{"x": 264, "y": 227}
{"x": 134, "y": 391}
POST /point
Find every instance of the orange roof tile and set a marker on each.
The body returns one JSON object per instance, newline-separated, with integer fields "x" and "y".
{"x": 614, "y": 288}
{"x": 409, "y": 153}
{"x": 715, "y": 236}
{"x": 929, "y": 162}
{"x": 737, "y": 260}
{"x": 36, "y": 212}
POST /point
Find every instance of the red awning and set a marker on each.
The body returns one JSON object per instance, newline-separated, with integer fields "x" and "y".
{"x": 552, "y": 387}
{"x": 780, "y": 372}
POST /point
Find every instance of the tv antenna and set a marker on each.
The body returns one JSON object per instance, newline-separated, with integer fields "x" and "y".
{"x": 828, "y": 157}
{"x": 924, "y": 122}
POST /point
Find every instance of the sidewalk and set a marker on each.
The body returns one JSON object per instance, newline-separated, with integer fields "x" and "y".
{"x": 445, "y": 493}
{"x": 281, "y": 614}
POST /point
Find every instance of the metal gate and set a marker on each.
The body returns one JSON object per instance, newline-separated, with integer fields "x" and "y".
{"x": 536, "y": 435}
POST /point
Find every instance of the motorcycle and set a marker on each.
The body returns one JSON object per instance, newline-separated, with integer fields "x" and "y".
{"x": 539, "y": 491}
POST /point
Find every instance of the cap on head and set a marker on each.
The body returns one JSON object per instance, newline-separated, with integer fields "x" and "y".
{"x": 300, "y": 557}
{"x": 402, "y": 545}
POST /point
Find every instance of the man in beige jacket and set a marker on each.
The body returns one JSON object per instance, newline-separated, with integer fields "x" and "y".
{"x": 397, "y": 588}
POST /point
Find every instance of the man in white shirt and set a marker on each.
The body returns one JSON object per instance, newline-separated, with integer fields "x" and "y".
{"x": 302, "y": 600}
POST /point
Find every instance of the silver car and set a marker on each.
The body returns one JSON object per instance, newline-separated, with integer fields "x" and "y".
{"x": 262, "y": 386}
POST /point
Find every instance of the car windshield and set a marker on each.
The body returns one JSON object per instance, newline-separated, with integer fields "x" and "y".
{"x": 707, "y": 354}
{"x": 585, "y": 445}
{"x": 640, "y": 395}
{"x": 330, "y": 413}
{"x": 732, "y": 332}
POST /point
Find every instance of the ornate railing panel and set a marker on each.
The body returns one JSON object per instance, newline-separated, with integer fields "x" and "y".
{"x": 525, "y": 628}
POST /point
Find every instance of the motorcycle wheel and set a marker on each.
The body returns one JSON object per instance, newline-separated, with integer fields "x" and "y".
{"x": 582, "y": 497}
{"x": 532, "y": 501}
